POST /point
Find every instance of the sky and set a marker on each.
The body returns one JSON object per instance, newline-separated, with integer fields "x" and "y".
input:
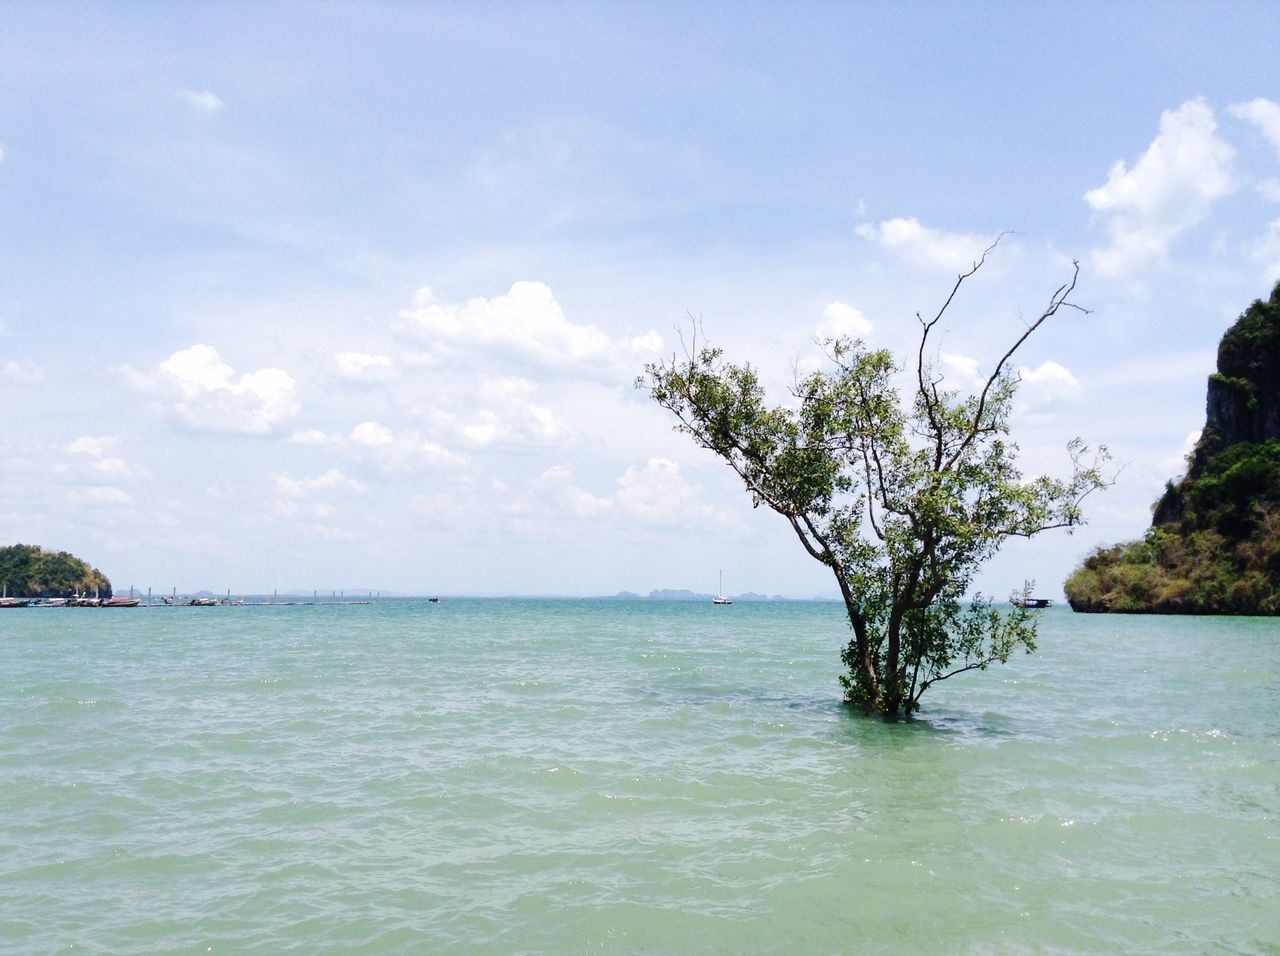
{"x": 354, "y": 296}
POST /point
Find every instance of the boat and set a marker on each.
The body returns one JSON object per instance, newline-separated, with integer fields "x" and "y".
{"x": 6, "y": 601}
{"x": 121, "y": 601}
{"x": 203, "y": 602}
{"x": 1030, "y": 603}
{"x": 720, "y": 596}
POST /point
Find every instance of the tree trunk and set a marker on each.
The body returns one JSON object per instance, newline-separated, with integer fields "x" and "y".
{"x": 865, "y": 664}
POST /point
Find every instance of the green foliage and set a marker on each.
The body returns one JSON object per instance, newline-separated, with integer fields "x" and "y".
{"x": 1233, "y": 485}
{"x": 1221, "y": 557}
{"x": 30, "y": 571}
{"x": 1249, "y": 352}
{"x": 902, "y": 500}
{"x": 1214, "y": 547}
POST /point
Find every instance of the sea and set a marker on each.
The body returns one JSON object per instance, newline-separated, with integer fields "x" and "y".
{"x": 609, "y": 776}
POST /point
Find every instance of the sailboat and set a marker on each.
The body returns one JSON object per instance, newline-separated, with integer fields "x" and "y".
{"x": 720, "y": 598}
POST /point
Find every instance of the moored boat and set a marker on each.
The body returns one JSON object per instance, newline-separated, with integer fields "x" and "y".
{"x": 6, "y": 601}
{"x": 1031, "y": 603}
{"x": 721, "y": 598}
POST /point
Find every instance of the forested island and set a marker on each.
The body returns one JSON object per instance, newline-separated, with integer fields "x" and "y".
{"x": 30, "y": 571}
{"x": 1214, "y": 542}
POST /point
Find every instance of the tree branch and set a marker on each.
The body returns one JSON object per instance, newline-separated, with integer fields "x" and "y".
{"x": 1056, "y": 301}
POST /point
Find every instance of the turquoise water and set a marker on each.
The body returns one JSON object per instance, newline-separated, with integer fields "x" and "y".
{"x": 596, "y": 776}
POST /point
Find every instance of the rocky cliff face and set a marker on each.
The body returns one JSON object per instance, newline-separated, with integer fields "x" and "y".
{"x": 1214, "y": 541}
{"x": 1235, "y": 413}
{"x": 1242, "y": 403}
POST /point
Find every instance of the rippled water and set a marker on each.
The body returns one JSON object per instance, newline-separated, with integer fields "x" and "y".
{"x": 599, "y": 776}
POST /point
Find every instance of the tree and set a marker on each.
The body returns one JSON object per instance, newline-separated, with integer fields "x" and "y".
{"x": 30, "y": 571}
{"x": 903, "y": 499}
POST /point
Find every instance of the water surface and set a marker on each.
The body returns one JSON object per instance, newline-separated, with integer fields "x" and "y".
{"x": 603, "y": 776}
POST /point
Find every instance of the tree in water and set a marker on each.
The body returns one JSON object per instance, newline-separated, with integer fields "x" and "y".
{"x": 902, "y": 498}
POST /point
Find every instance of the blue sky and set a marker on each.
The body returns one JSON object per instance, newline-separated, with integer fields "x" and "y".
{"x": 352, "y": 295}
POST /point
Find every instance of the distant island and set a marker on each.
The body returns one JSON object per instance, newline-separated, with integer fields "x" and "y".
{"x": 30, "y": 571}
{"x": 1214, "y": 542}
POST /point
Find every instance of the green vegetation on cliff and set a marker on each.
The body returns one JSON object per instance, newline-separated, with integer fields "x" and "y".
{"x": 1214, "y": 543}
{"x": 30, "y": 571}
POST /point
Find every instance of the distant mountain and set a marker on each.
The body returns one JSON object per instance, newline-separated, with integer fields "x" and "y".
{"x": 674, "y": 594}
{"x": 669, "y": 594}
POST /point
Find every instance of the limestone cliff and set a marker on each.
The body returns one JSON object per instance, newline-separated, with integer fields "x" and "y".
{"x": 1214, "y": 542}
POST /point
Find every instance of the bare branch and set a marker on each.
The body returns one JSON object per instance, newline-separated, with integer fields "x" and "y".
{"x": 1056, "y": 301}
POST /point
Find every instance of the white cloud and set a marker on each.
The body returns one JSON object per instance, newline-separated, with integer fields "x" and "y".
{"x": 840, "y": 319}
{"x": 399, "y": 454}
{"x": 309, "y": 436}
{"x": 526, "y": 326}
{"x": 550, "y": 498}
{"x": 331, "y": 482}
{"x": 311, "y": 500}
{"x": 648, "y": 344}
{"x": 388, "y": 451}
{"x": 557, "y": 483}
{"x": 1048, "y": 382}
{"x": 505, "y": 415}
{"x": 362, "y": 366}
{"x": 197, "y": 389}
{"x": 1171, "y": 188}
{"x": 22, "y": 373}
{"x": 1265, "y": 115}
{"x": 372, "y": 435}
{"x": 202, "y": 100}
{"x": 1, "y": 152}
{"x": 960, "y": 370}
{"x": 920, "y": 245}
{"x": 89, "y": 445}
{"x": 657, "y": 493}
{"x": 1269, "y": 189}
{"x": 90, "y": 461}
